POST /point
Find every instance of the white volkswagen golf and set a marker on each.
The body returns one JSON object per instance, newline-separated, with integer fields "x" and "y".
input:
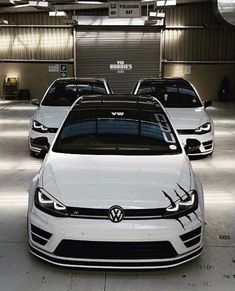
{"x": 185, "y": 108}
{"x": 55, "y": 105}
{"x": 116, "y": 189}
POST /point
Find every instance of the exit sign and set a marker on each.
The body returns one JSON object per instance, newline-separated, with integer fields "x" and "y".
{"x": 123, "y": 9}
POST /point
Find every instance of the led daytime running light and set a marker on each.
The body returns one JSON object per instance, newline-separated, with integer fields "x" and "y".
{"x": 39, "y": 127}
{"x": 205, "y": 127}
{"x": 187, "y": 202}
{"x": 44, "y": 199}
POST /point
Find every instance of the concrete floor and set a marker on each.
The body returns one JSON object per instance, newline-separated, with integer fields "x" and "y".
{"x": 19, "y": 271}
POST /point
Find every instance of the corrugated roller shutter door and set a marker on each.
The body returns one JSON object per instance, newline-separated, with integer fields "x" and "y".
{"x": 138, "y": 54}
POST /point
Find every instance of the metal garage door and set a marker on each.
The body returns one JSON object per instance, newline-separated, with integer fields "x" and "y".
{"x": 122, "y": 57}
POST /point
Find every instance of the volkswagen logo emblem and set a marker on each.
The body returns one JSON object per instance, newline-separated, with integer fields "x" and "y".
{"x": 116, "y": 213}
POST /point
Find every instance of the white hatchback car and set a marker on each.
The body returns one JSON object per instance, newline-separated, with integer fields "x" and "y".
{"x": 55, "y": 104}
{"x": 116, "y": 189}
{"x": 185, "y": 108}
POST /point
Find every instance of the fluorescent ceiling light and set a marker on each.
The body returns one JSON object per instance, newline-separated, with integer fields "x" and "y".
{"x": 157, "y": 14}
{"x": 90, "y": 2}
{"x": 3, "y": 21}
{"x": 161, "y": 14}
{"x": 57, "y": 13}
{"x": 153, "y": 13}
{"x": 39, "y": 3}
{"x": 162, "y": 3}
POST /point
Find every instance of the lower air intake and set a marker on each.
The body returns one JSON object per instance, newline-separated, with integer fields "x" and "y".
{"x": 115, "y": 250}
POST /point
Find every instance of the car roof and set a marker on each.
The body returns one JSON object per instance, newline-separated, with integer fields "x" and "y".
{"x": 78, "y": 80}
{"x": 165, "y": 80}
{"x": 118, "y": 101}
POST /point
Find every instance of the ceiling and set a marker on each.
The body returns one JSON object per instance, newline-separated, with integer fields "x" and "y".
{"x": 17, "y": 3}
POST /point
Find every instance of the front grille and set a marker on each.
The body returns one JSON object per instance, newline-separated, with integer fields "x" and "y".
{"x": 95, "y": 213}
{"x": 208, "y": 144}
{"x": 186, "y": 131}
{"x": 115, "y": 250}
{"x": 191, "y": 238}
{"x": 39, "y": 235}
{"x": 52, "y": 130}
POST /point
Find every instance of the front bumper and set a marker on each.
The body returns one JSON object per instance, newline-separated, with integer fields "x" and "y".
{"x": 115, "y": 264}
{"x": 174, "y": 244}
{"x": 206, "y": 140}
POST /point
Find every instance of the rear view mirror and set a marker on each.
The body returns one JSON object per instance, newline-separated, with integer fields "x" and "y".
{"x": 207, "y": 103}
{"x": 35, "y": 102}
{"x": 192, "y": 145}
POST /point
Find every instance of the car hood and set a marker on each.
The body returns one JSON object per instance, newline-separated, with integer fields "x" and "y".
{"x": 51, "y": 116}
{"x": 188, "y": 118}
{"x": 97, "y": 181}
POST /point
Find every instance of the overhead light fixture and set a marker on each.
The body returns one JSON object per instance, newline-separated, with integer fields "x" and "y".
{"x": 4, "y": 21}
{"x": 153, "y": 13}
{"x": 91, "y": 2}
{"x": 161, "y": 14}
{"x": 164, "y": 3}
{"x": 157, "y": 14}
{"x": 154, "y": 22}
{"x": 58, "y": 13}
{"x": 13, "y": 1}
{"x": 39, "y": 3}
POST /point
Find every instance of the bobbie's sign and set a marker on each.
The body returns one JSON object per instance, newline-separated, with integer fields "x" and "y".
{"x": 124, "y": 9}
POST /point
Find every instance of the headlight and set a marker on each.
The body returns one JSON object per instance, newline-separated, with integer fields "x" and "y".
{"x": 37, "y": 126}
{"x": 205, "y": 128}
{"x": 46, "y": 203}
{"x": 187, "y": 204}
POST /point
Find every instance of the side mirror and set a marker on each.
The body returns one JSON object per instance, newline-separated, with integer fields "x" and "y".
{"x": 42, "y": 143}
{"x": 192, "y": 145}
{"x": 207, "y": 103}
{"x": 35, "y": 102}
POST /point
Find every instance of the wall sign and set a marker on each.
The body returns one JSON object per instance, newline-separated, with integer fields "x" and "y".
{"x": 53, "y": 68}
{"x": 124, "y": 9}
{"x": 120, "y": 67}
{"x": 187, "y": 70}
{"x": 63, "y": 71}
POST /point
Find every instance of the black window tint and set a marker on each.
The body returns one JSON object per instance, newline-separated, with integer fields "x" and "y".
{"x": 146, "y": 89}
{"x": 170, "y": 94}
{"x": 99, "y": 88}
{"x": 65, "y": 94}
{"x": 117, "y": 131}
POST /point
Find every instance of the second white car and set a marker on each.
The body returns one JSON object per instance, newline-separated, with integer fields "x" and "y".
{"x": 55, "y": 104}
{"x": 185, "y": 108}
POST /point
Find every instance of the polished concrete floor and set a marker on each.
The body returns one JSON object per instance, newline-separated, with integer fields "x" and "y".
{"x": 19, "y": 271}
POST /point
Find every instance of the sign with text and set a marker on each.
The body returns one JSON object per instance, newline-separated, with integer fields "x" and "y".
{"x": 120, "y": 67}
{"x": 53, "y": 68}
{"x": 122, "y": 9}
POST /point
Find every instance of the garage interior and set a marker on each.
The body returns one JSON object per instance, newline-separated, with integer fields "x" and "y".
{"x": 192, "y": 42}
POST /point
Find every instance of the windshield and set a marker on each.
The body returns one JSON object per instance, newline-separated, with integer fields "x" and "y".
{"x": 117, "y": 131}
{"x": 171, "y": 95}
{"x": 65, "y": 94}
